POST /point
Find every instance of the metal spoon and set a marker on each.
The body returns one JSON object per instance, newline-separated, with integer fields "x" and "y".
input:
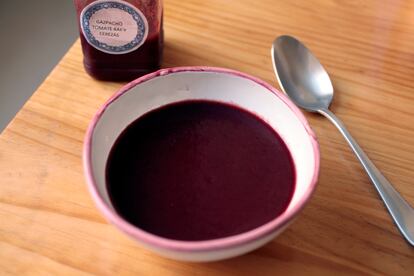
{"x": 306, "y": 82}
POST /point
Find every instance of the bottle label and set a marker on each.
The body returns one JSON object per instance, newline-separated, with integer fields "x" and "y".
{"x": 113, "y": 27}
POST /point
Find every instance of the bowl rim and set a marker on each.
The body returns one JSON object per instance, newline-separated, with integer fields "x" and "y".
{"x": 206, "y": 245}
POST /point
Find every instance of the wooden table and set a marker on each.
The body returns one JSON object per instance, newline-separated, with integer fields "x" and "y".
{"x": 49, "y": 224}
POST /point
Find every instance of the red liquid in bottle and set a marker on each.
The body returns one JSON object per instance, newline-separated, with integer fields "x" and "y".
{"x": 110, "y": 53}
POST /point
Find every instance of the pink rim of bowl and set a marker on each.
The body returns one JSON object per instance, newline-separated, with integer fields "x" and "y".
{"x": 196, "y": 246}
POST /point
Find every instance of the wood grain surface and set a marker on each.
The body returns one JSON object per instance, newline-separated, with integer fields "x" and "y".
{"x": 49, "y": 224}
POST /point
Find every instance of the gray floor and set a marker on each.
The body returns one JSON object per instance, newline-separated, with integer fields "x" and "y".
{"x": 34, "y": 35}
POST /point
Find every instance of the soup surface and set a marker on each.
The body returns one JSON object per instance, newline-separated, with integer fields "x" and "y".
{"x": 199, "y": 170}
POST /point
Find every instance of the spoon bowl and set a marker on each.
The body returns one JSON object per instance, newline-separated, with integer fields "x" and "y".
{"x": 300, "y": 72}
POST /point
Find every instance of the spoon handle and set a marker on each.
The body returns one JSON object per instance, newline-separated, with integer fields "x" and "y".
{"x": 400, "y": 210}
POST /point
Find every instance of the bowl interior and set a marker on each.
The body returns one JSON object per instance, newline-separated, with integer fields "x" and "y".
{"x": 218, "y": 86}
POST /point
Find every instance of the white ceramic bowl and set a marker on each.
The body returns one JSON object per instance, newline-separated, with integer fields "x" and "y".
{"x": 177, "y": 84}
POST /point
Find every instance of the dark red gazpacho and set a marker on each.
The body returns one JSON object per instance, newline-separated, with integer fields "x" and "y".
{"x": 199, "y": 170}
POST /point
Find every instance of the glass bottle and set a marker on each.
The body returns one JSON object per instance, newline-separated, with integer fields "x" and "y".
{"x": 121, "y": 39}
